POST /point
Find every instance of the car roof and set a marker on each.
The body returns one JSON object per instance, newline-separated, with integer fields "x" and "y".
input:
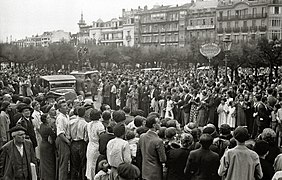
{"x": 53, "y": 78}
{"x": 83, "y": 72}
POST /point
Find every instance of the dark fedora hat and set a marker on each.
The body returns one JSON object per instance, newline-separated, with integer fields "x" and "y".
{"x": 23, "y": 106}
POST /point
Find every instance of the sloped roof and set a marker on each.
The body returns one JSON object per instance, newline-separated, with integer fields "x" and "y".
{"x": 99, "y": 20}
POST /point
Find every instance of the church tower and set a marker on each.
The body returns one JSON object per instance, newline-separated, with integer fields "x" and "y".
{"x": 81, "y": 22}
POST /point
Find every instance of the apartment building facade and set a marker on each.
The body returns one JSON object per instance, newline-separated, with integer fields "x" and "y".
{"x": 201, "y": 21}
{"x": 248, "y": 20}
{"x": 161, "y": 25}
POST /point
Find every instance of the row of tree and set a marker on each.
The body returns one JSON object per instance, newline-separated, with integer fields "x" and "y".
{"x": 254, "y": 54}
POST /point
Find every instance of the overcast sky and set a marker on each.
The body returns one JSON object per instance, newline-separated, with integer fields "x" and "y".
{"x": 21, "y": 18}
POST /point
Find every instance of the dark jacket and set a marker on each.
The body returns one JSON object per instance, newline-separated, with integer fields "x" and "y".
{"x": 27, "y": 124}
{"x": 176, "y": 161}
{"x": 7, "y": 159}
{"x": 202, "y": 164}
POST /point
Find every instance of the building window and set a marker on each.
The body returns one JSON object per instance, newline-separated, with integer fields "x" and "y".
{"x": 220, "y": 14}
{"x": 263, "y": 11}
{"x": 191, "y": 22}
{"x": 262, "y": 22}
{"x": 276, "y": 22}
{"x": 228, "y": 25}
{"x": 204, "y": 22}
{"x": 254, "y": 22}
{"x": 254, "y": 12}
{"x": 245, "y": 24}
{"x": 211, "y": 21}
{"x": 220, "y": 25}
{"x": 236, "y": 24}
{"x": 276, "y": 10}
{"x": 237, "y": 13}
{"x": 228, "y": 14}
{"x": 275, "y": 34}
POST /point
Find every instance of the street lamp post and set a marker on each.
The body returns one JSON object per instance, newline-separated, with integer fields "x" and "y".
{"x": 226, "y": 47}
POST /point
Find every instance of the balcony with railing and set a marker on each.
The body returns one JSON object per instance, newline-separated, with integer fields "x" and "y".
{"x": 228, "y": 30}
{"x": 244, "y": 29}
{"x": 236, "y": 29}
{"x": 262, "y": 28}
{"x": 242, "y": 17}
{"x": 253, "y": 28}
{"x": 220, "y": 30}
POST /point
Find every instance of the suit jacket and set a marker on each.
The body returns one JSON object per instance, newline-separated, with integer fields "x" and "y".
{"x": 186, "y": 104}
{"x": 263, "y": 114}
{"x": 153, "y": 155}
{"x": 27, "y": 124}
{"x": 202, "y": 164}
{"x": 7, "y": 167}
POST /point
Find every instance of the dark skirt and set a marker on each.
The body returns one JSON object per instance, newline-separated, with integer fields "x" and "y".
{"x": 47, "y": 161}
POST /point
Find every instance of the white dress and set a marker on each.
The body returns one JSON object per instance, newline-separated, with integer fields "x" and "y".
{"x": 222, "y": 114}
{"x": 168, "y": 110}
{"x": 94, "y": 129}
{"x": 231, "y": 120}
{"x": 36, "y": 121}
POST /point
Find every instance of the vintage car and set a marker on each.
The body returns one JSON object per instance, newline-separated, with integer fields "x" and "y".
{"x": 86, "y": 77}
{"x": 59, "y": 85}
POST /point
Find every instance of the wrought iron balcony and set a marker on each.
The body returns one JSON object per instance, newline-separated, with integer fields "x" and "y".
{"x": 220, "y": 30}
{"x": 236, "y": 29}
{"x": 262, "y": 28}
{"x": 228, "y": 30}
{"x": 244, "y": 29}
{"x": 253, "y": 28}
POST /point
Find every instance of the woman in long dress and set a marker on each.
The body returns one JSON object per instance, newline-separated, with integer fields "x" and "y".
{"x": 36, "y": 121}
{"x": 240, "y": 109}
{"x": 94, "y": 129}
{"x": 222, "y": 111}
{"x": 47, "y": 149}
{"x": 231, "y": 117}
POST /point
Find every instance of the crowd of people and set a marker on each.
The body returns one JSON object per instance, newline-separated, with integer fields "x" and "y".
{"x": 170, "y": 124}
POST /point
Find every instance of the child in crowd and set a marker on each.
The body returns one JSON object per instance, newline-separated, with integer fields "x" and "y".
{"x": 133, "y": 141}
{"x": 104, "y": 171}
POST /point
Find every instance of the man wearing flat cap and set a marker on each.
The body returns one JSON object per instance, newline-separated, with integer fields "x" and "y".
{"x": 240, "y": 162}
{"x": 26, "y": 122}
{"x": 16, "y": 156}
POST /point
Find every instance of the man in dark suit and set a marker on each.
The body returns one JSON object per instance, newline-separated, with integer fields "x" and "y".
{"x": 16, "y": 156}
{"x": 25, "y": 121}
{"x": 202, "y": 164}
{"x": 152, "y": 151}
{"x": 145, "y": 98}
{"x": 185, "y": 106}
{"x": 263, "y": 119}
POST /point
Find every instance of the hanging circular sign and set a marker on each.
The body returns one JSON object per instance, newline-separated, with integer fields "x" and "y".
{"x": 210, "y": 50}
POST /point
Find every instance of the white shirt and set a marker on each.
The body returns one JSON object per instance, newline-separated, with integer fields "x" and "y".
{"x": 62, "y": 123}
{"x": 118, "y": 151}
{"x": 36, "y": 121}
{"x": 78, "y": 129}
{"x": 20, "y": 149}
